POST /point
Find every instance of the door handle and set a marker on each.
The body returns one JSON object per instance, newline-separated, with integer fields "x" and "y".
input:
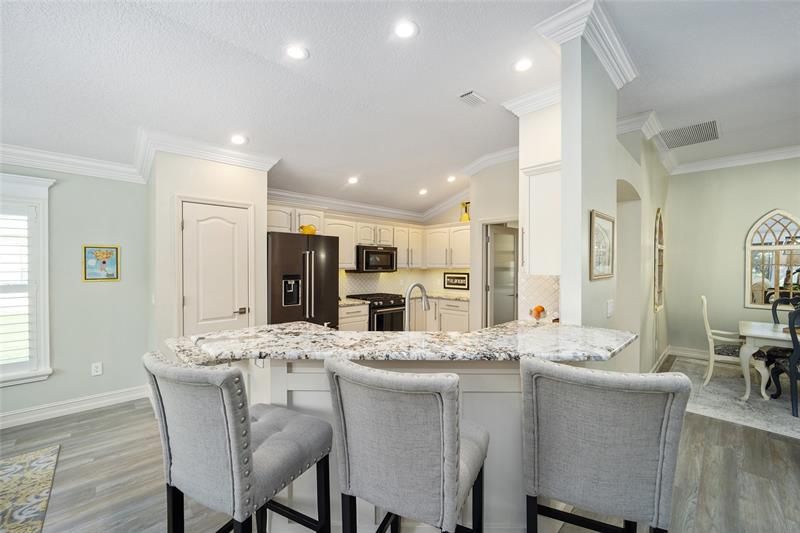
{"x": 313, "y": 266}
{"x": 240, "y": 311}
{"x": 306, "y": 258}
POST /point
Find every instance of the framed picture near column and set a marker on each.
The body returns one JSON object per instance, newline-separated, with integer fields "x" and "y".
{"x": 456, "y": 280}
{"x": 601, "y": 246}
{"x": 100, "y": 262}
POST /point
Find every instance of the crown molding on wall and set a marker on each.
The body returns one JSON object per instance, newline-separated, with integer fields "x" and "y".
{"x": 69, "y": 164}
{"x": 147, "y": 144}
{"x": 150, "y": 142}
{"x": 347, "y": 206}
{"x": 528, "y": 103}
{"x": 646, "y": 122}
{"x": 541, "y": 168}
{"x": 448, "y": 204}
{"x": 752, "y": 158}
{"x": 488, "y": 160}
{"x": 587, "y": 18}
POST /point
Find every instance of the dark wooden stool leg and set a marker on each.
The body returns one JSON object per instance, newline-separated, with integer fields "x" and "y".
{"x": 243, "y": 527}
{"x": 349, "y": 517}
{"x": 174, "y": 510}
{"x": 324, "y": 495}
{"x": 261, "y": 519}
{"x": 477, "y": 503}
{"x": 532, "y": 511}
{"x": 395, "y": 524}
{"x": 629, "y": 527}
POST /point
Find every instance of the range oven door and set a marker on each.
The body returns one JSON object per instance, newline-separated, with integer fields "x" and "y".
{"x": 387, "y": 319}
{"x": 377, "y": 258}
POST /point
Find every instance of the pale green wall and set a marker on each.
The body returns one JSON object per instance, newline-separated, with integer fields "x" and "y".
{"x": 91, "y": 322}
{"x": 707, "y": 219}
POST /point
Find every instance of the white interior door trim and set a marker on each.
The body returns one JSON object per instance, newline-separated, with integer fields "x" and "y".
{"x": 180, "y": 199}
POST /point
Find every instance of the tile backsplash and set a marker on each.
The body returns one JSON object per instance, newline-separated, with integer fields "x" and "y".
{"x": 394, "y": 282}
{"x": 539, "y": 290}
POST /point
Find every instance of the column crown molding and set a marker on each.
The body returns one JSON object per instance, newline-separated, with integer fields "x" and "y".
{"x": 528, "y": 103}
{"x": 588, "y": 19}
{"x": 647, "y": 122}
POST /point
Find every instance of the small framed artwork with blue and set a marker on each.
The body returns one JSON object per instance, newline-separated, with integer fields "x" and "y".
{"x": 100, "y": 263}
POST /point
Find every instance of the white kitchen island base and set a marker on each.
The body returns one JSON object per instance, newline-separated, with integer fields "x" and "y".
{"x": 490, "y": 392}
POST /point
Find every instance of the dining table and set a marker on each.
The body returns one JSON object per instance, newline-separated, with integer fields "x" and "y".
{"x": 758, "y": 335}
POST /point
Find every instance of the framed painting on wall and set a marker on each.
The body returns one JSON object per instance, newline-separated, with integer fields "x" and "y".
{"x": 100, "y": 263}
{"x": 601, "y": 246}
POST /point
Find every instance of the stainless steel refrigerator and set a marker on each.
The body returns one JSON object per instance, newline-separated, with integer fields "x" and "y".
{"x": 303, "y": 274}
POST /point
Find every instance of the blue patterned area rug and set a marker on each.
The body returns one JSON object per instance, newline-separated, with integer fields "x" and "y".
{"x": 25, "y": 483}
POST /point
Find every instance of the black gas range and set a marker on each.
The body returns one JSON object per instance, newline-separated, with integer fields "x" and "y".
{"x": 386, "y": 310}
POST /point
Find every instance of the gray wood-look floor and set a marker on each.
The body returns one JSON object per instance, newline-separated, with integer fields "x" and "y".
{"x": 110, "y": 477}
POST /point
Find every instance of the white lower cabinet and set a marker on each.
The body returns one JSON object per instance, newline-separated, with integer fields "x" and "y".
{"x": 453, "y": 315}
{"x": 354, "y": 318}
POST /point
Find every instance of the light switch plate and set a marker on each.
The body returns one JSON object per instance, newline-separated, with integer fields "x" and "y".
{"x": 609, "y": 308}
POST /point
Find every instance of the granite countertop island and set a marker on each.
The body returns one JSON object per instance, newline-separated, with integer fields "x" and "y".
{"x": 306, "y": 341}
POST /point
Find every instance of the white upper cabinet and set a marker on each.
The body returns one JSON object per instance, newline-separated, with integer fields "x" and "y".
{"x": 384, "y": 235}
{"x": 346, "y": 231}
{"x": 540, "y": 222}
{"x": 280, "y": 218}
{"x": 401, "y": 243}
{"x": 289, "y": 219}
{"x": 305, "y": 217}
{"x": 416, "y": 252}
{"x": 437, "y": 247}
{"x": 459, "y": 247}
{"x": 365, "y": 233}
{"x": 447, "y": 247}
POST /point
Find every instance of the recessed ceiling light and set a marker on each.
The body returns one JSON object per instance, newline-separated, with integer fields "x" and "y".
{"x": 405, "y": 29}
{"x": 239, "y": 139}
{"x": 451, "y": 179}
{"x": 423, "y": 192}
{"x": 523, "y": 64}
{"x": 296, "y": 51}
{"x": 352, "y": 180}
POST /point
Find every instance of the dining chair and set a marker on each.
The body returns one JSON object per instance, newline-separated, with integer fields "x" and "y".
{"x": 794, "y": 302}
{"x": 604, "y": 442}
{"x": 789, "y": 363}
{"x": 720, "y": 343}
{"x": 230, "y": 456}
{"x": 770, "y": 355}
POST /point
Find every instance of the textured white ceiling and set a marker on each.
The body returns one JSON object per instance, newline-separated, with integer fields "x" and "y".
{"x": 736, "y": 61}
{"x": 80, "y": 78}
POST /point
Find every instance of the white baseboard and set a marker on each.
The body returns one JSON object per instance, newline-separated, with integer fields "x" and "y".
{"x": 699, "y": 355}
{"x": 660, "y": 360}
{"x": 68, "y": 407}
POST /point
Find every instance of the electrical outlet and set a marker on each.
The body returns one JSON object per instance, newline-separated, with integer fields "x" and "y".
{"x": 97, "y": 369}
{"x": 609, "y": 308}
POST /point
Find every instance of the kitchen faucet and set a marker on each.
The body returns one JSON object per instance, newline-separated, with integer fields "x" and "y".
{"x": 425, "y": 304}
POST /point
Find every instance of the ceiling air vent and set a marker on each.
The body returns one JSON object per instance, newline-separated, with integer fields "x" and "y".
{"x": 472, "y": 98}
{"x": 694, "y": 134}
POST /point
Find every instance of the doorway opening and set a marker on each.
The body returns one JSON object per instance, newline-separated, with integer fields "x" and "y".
{"x": 500, "y": 251}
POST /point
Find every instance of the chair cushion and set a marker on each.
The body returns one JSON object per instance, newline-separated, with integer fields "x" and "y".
{"x": 473, "y": 447}
{"x": 285, "y": 444}
{"x": 771, "y": 354}
{"x": 727, "y": 349}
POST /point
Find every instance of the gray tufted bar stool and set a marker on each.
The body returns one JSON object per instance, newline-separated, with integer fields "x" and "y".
{"x": 229, "y": 456}
{"x": 605, "y": 442}
{"x": 400, "y": 447}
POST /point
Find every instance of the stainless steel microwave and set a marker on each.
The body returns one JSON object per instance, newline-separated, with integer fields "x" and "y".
{"x": 376, "y": 258}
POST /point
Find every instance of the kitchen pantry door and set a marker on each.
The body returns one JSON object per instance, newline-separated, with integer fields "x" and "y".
{"x": 216, "y": 257}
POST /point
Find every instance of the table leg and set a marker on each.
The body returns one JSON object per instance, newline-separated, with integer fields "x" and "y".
{"x": 745, "y": 353}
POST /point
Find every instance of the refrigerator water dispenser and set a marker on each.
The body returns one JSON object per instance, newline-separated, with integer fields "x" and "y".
{"x": 291, "y": 290}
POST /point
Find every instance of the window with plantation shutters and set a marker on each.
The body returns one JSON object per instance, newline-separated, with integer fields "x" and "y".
{"x": 24, "y": 345}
